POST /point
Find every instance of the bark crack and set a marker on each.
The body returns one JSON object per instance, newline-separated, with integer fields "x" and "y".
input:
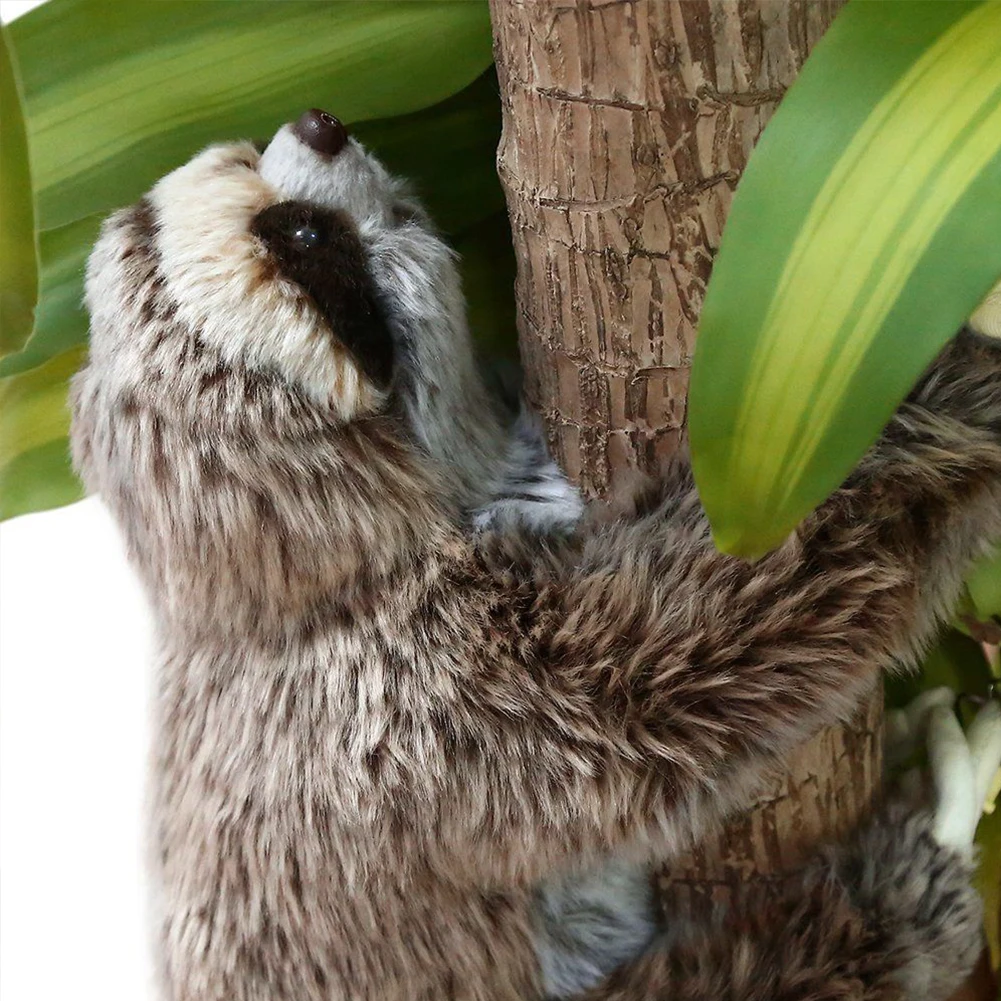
{"x": 555, "y": 94}
{"x": 740, "y": 98}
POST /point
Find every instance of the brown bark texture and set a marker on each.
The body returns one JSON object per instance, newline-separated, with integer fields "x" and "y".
{"x": 627, "y": 124}
{"x": 626, "y": 128}
{"x": 819, "y": 796}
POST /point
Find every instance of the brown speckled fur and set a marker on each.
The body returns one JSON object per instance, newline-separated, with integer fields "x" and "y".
{"x": 376, "y": 735}
{"x": 888, "y": 916}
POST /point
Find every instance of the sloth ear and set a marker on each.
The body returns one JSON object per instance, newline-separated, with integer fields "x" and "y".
{"x": 320, "y": 251}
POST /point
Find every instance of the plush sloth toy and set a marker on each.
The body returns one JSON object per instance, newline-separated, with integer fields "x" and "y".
{"x": 421, "y": 726}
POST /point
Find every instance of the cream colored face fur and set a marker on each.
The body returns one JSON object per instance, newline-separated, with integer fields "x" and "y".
{"x": 219, "y": 274}
{"x": 225, "y": 286}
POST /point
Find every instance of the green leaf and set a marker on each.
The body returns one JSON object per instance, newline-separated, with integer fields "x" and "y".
{"x": 984, "y": 586}
{"x": 486, "y": 259}
{"x": 118, "y": 93}
{"x": 446, "y": 150}
{"x": 34, "y": 422}
{"x": 866, "y": 229}
{"x": 956, "y": 661}
{"x": 240, "y": 71}
{"x": 987, "y": 317}
{"x": 60, "y": 319}
{"x": 18, "y": 274}
{"x": 38, "y": 480}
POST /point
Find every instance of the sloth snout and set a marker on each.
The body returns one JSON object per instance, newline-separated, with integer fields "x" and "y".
{"x": 321, "y": 132}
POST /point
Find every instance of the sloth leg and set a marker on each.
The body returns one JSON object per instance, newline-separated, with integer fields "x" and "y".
{"x": 889, "y": 914}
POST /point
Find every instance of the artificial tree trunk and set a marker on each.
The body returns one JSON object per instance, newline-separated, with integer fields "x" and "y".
{"x": 627, "y": 124}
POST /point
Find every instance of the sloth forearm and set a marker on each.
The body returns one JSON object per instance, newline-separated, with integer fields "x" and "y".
{"x": 638, "y": 676}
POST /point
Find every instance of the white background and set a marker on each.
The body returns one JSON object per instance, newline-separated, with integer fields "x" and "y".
{"x": 74, "y": 683}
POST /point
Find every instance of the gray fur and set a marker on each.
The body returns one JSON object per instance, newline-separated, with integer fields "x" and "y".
{"x": 530, "y": 490}
{"x": 917, "y": 895}
{"x": 590, "y": 923}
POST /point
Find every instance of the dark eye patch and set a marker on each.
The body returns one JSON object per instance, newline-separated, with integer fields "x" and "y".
{"x": 321, "y": 252}
{"x": 403, "y": 213}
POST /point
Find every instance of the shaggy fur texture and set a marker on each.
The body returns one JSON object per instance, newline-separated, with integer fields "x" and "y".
{"x": 377, "y": 734}
{"x": 856, "y": 930}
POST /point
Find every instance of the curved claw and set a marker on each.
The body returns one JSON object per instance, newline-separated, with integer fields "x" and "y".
{"x": 984, "y": 739}
{"x": 958, "y": 808}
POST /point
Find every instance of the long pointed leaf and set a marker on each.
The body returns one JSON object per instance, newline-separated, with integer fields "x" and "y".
{"x": 955, "y": 661}
{"x": 35, "y": 470}
{"x": 866, "y": 228}
{"x": 110, "y": 110}
{"x": 987, "y": 317}
{"x": 447, "y": 151}
{"x": 988, "y": 879}
{"x": 60, "y": 319}
{"x": 18, "y": 267}
{"x": 984, "y": 587}
{"x": 119, "y": 93}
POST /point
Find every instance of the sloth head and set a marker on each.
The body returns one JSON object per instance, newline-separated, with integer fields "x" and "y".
{"x": 277, "y": 261}
{"x": 279, "y": 365}
{"x": 306, "y": 267}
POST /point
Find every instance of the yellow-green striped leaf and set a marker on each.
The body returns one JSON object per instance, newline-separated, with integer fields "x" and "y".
{"x": 867, "y": 227}
{"x": 447, "y": 151}
{"x": 35, "y": 470}
{"x": 117, "y": 94}
{"x": 18, "y": 274}
{"x": 986, "y": 318}
{"x": 988, "y": 879}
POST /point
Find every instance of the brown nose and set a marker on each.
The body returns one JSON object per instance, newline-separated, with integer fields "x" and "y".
{"x": 321, "y": 132}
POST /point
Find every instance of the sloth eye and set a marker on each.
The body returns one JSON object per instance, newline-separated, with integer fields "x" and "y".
{"x": 307, "y": 236}
{"x": 403, "y": 214}
{"x": 297, "y": 231}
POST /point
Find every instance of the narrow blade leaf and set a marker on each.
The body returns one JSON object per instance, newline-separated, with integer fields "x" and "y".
{"x": 956, "y": 661}
{"x": 866, "y": 229}
{"x": 60, "y": 319}
{"x": 117, "y": 94}
{"x": 984, "y": 587}
{"x": 109, "y": 111}
{"x": 988, "y": 879}
{"x": 446, "y": 151}
{"x": 35, "y": 471}
{"x": 18, "y": 265}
